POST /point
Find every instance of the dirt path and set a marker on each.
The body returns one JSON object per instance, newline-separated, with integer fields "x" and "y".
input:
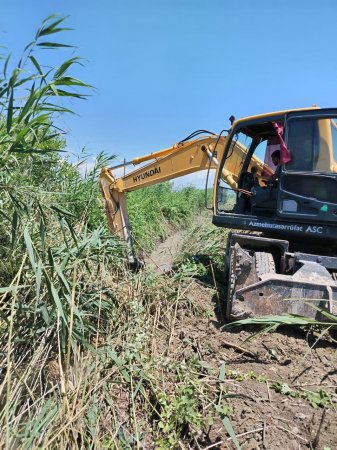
{"x": 161, "y": 259}
{"x": 278, "y": 386}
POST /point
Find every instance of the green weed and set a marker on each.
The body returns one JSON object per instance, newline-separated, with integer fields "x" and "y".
{"x": 179, "y": 416}
{"x": 316, "y": 399}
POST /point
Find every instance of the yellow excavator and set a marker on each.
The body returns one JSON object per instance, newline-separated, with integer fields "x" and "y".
{"x": 275, "y": 176}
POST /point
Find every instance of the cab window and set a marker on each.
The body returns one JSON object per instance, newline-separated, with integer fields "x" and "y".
{"x": 312, "y": 143}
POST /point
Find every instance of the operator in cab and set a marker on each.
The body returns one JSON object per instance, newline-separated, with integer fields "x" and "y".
{"x": 276, "y": 158}
{"x": 266, "y": 196}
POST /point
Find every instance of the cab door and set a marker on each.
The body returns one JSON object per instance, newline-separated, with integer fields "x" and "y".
{"x": 308, "y": 183}
{"x": 228, "y": 197}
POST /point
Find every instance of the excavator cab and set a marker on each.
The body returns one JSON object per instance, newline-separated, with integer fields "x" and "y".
{"x": 286, "y": 190}
{"x": 287, "y": 174}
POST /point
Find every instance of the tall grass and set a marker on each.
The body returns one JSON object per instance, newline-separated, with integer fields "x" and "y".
{"x": 86, "y": 349}
{"x": 56, "y": 295}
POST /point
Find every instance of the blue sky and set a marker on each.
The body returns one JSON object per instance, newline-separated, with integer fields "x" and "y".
{"x": 164, "y": 68}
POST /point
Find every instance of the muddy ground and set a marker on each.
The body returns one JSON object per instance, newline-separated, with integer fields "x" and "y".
{"x": 280, "y": 387}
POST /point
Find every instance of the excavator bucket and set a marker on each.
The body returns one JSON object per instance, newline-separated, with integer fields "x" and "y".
{"x": 265, "y": 279}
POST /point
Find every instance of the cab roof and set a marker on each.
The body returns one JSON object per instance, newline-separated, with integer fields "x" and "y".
{"x": 270, "y": 115}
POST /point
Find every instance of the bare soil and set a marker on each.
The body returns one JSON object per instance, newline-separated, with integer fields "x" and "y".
{"x": 270, "y": 379}
{"x": 162, "y": 258}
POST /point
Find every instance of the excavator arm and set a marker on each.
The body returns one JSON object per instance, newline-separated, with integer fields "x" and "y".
{"x": 181, "y": 159}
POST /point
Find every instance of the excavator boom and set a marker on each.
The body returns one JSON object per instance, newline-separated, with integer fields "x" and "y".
{"x": 181, "y": 159}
